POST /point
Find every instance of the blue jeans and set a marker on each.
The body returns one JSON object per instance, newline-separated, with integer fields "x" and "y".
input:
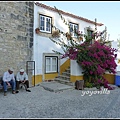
{"x": 12, "y": 83}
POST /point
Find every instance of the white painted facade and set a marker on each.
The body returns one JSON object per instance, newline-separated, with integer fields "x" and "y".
{"x": 114, "y": 45}
{"x": 43, "y": 45}
{"x": 76, "y": 69}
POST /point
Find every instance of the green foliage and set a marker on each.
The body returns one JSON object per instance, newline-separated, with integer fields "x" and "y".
{"x": 89, "y": 85}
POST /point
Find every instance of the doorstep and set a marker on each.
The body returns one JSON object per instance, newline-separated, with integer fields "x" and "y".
{"x": 54, "y": 86}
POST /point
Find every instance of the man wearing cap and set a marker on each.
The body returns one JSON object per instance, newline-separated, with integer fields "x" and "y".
{"x": 9, "y": 80}
{"x": 22, "y": 77}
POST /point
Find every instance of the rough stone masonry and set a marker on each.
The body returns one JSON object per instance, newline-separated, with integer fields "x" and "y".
{"x": 16, "y": 34}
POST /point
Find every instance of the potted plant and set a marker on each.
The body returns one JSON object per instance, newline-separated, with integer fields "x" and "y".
{"x": 80, "y": 38}
{"x": 37, "y": 30}
{"x": 68, "y": 35}
{"x": 55, "y": 34}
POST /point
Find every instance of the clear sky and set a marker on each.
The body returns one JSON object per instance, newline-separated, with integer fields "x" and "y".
{"x": 106, "y": 12}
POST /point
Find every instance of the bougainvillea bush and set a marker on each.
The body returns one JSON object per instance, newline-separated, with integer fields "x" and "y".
{"x": 95, "y": 59}
{"x": 94, "y": 55}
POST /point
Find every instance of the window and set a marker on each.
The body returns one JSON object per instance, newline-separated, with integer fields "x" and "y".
{"x": 73, "y": 28}
{"x": 89, "y": 33}
{"x": 51, "y": 64}
{"x": 45, "y": 24}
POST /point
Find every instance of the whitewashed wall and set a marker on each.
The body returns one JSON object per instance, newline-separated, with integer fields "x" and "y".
{"x": 114, "y": 45}
{"x": 45, "y": 45}
{"x": 76, "y": 69}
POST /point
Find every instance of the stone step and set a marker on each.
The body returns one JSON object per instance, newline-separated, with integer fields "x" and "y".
{"x": 63, "y": 76}
{"x": 55, "y": 86}
{"x": 70, "y": 84}
{"x": 67, "y": 70}
{"x": 64, "y": 81}
{"x": 66, "y": 73}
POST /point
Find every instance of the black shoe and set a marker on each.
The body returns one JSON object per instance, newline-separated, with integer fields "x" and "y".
{"x": 13, "y": 92}
{"x": 5, "y": 93}
{"x": 28, "y": 90}
{"x": 17, "y": 91}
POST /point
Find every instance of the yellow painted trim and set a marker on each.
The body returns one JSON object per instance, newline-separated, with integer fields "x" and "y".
{"x": 50, "y": 76}
{"x": 110, "y": 78}
{"x": 74, "y": 78}
{"x": 64, "y": 66}
{"x": 38, "y": 79}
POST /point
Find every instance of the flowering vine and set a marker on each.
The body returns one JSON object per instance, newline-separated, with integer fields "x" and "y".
{"x": 94, "y": 57}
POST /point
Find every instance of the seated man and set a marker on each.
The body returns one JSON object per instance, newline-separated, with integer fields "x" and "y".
{"x": 9, "y": 80}
{"x": 22, "y": 77}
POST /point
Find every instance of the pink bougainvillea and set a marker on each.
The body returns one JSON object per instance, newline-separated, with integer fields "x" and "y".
{"x": 95, "y": 59}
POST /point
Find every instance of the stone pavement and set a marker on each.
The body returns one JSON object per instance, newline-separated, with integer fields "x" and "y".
{"x": 67, "y": 103}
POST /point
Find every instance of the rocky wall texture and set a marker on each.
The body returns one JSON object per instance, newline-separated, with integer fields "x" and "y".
{"x": 16, "y": 34}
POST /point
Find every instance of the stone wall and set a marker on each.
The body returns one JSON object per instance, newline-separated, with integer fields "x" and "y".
{"x": 16, "y": 34}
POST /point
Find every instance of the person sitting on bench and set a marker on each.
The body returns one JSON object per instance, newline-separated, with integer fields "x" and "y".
{"x": 9, "y": 80}
{"x": 22, "y": 77}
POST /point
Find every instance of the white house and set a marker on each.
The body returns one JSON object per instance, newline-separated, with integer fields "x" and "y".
{"x": 47, "y": 63}
{"x": 114, "y": 45}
